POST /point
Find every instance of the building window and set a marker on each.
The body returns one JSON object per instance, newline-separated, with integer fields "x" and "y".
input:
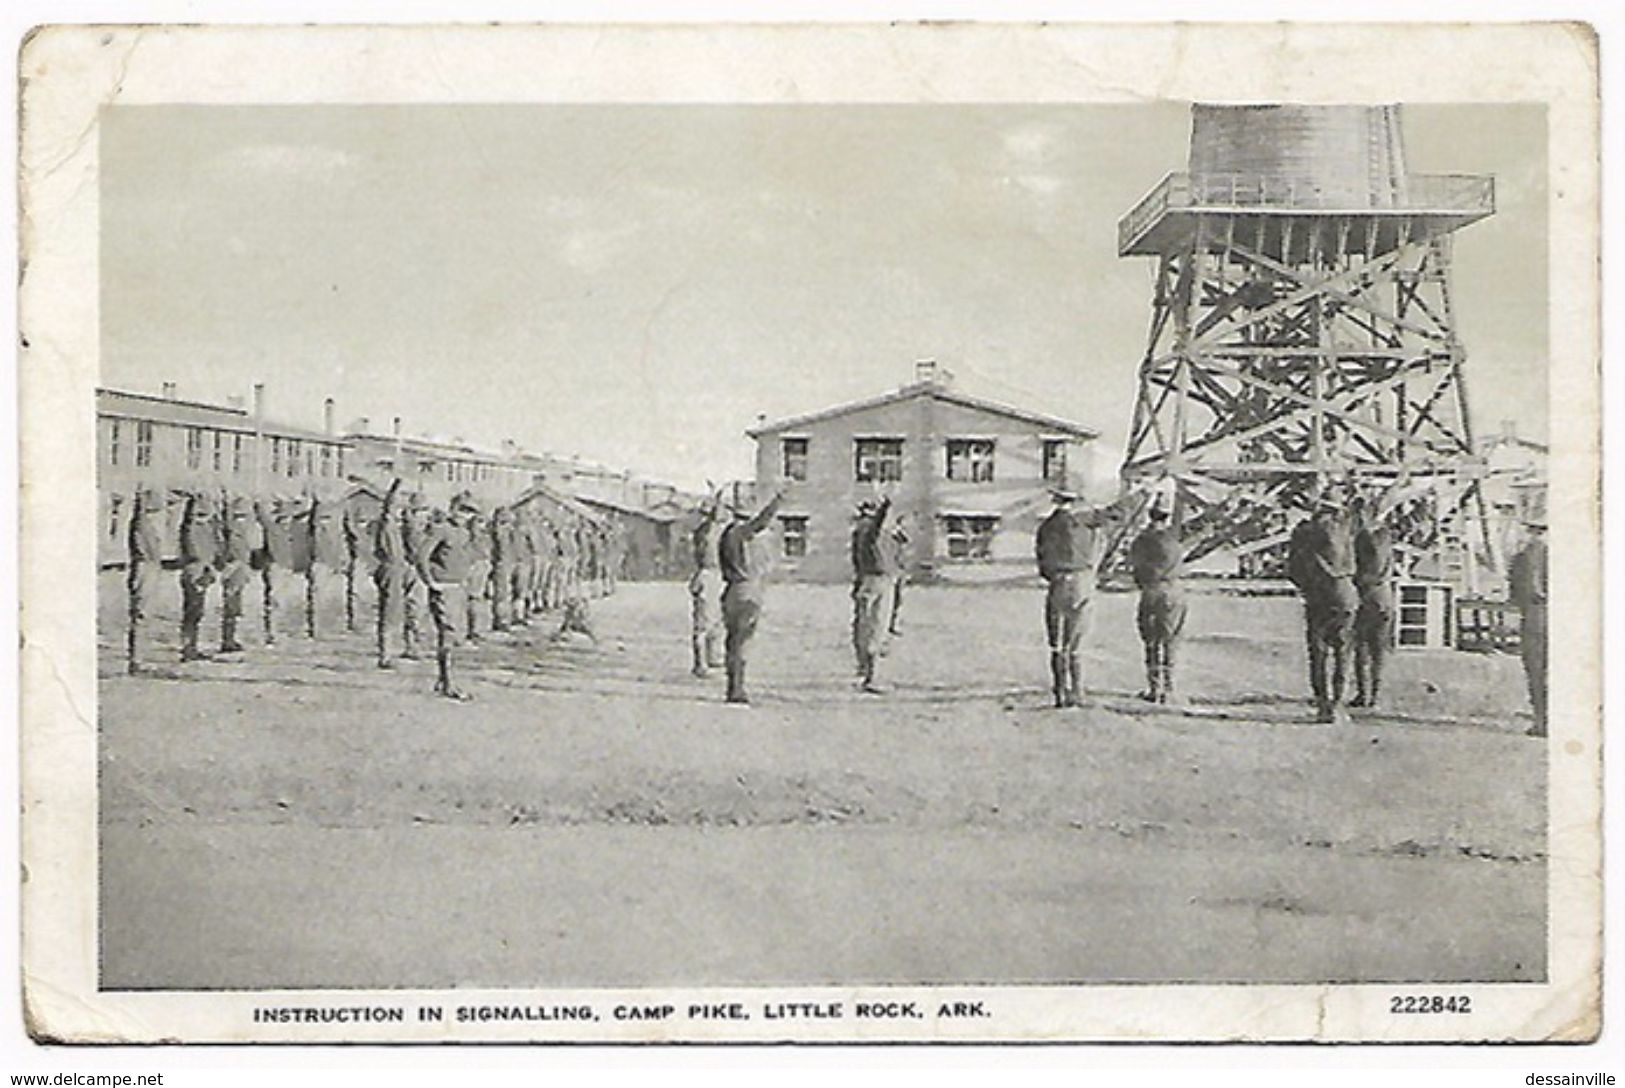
{"x": 795, "y": 458}
{"x": 143, "y": 444}
{"x": 1055, "y": 460}
{"x": 292, "y": 457}
{"x": 327, "y": 460}
{"x": 217, "y": 452}
{"x": 879, "y": 460}
{"x": 194, "y": 447}
{"x": 276, "y": 457}
{"x": 113, "y": 437}
{"x": 236, "y": 453}
{"x": 970, "y": 460}
{"x": 341, "y": 463}
{"x": 970, "y": 536}
{"x": 794, "y": 531}
{"x": 115, "y": 513}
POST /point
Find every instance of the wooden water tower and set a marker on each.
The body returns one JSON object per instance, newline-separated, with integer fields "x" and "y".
{"x": 1302, "y": 332}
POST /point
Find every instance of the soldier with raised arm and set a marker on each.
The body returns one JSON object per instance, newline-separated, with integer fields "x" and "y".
{"x": 1069, "y": 543}
{"x": 389, "y": 570}
{"x": 744, "y": 579}
{"x": 705, "y": 590}
{"x": 876, "y": 562}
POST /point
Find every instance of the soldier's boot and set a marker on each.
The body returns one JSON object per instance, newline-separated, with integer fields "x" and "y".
{"x": 1057, "y": 674}
{"x": 310, "y": 606}
{"x": 1152, "y": 675}
{"x": 349, "y": 602}
{"x": 1165, "y": 690}
{"x": 736, "y": 683}
{"x": 700, "y": 668}
{"x": 132, "y": 648}
{"x": 189, "y": 650}
{"x": 268, "y": 609}
{"x": 228, "y": 636}
{"x": 714, "y": 656}
{"x": 1074, "y": 681}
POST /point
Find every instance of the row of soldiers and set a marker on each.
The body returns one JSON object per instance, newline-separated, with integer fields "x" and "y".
{"x": 1341, "y": 559}
{"x": 455, "y": 562}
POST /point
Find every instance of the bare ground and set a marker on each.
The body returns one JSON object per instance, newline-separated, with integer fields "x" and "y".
{"x": 297, "y": 818}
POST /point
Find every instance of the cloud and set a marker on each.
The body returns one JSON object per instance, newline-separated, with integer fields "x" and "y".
{"x": 288, "y": 160}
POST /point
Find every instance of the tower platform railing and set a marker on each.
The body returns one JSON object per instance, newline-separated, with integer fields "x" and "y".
{"x": 1464, "y": 197}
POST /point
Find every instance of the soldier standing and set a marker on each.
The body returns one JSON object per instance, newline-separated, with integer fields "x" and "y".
{"x": 1155, "y": 558}
{"x": 442, "y": 561}
{"x": 1373, "y": 579}
{"x": 237, "y": 546}
{"x": 705, "y": 590}
{"x": 876, "y": 562}
{"x": 358, "y": 534}
{"x": 200, "y": 552}
{"x": 146, "y": 559}
{"x": 1068, "y": 546}
{"x": 275, "y": 550}
{"x": 477, "y": 539}
{"x": 502, "y": 567}
{"x": 743, "y": 577}
{"x": 519, "y": 576}
{"x": 901, "y": 538}
{"x": 860, "y": 529}
{"x": 389, "y": 571}
{"x": 414, "y": 594}
{"x": 326, "y": 552}
{"x": 1320, "y": 562}
{"x": 1529, "y": 592}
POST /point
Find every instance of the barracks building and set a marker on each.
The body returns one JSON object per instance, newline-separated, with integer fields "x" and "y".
{"x": 971, "y": 478}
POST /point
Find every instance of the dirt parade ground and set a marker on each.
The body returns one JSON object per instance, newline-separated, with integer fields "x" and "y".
{"x": 295, "y": 817}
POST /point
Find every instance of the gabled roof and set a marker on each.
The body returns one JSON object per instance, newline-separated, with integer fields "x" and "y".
{"x": 939, "y": 392}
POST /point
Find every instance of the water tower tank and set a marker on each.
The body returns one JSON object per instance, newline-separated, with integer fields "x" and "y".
{"x": 1344, "y": 157}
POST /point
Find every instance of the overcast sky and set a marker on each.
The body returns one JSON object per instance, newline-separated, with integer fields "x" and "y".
{"x": 635, "y": 284}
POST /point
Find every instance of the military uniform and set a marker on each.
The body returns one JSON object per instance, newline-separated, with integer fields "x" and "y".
{"x": 1528, "y": 577}
{"x": 239, "y": 539}
{"x": 146, "y": 559}
{"x": 477, "y": 534}
{"x": 744, "y": 579}
{"x": 276, "y": 551}
{"x": 328, "y": 553}
{"x": 389, "y": 572}
{"x": 1068, "y": 546}
{"x": 502, "y": 568}
{"x": 1155, "y": 558}
{"x": 443, "y": 563}
{"x": 1321, "y": 564}
{"x": 357, "y": 534}
{"x": 414, "y": 594}
{"x": 1374, "y": 622}
{"x": 200, "y": 552}
{"x": 705, "y": 594}
{"x": 876, "y": 562}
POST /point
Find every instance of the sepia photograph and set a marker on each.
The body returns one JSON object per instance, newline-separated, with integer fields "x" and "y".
{"x": 782, "y": 567}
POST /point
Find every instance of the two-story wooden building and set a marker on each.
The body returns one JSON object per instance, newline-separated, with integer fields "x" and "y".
{"x": 971, "y": 478}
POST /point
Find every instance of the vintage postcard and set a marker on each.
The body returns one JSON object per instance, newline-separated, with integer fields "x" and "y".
{"x": 933, "y": 533}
